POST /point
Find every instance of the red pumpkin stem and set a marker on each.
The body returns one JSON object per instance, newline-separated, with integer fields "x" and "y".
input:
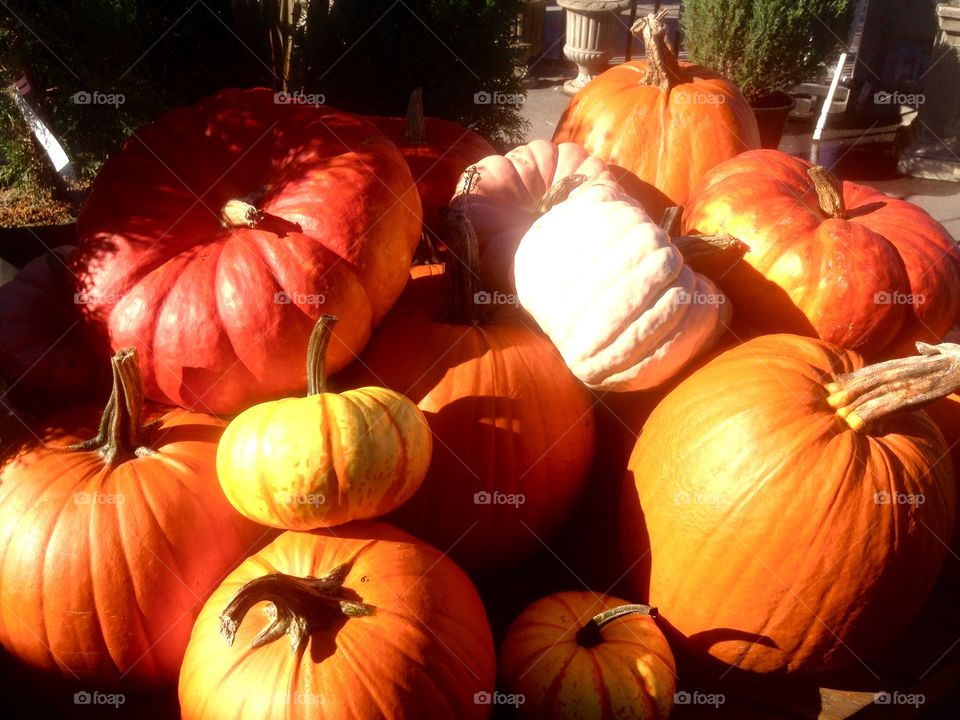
{"x": 240, "y": 213}
{"x": 559, "y": 192}
{"x": 662, "y": 66}
{"x": 462, "y": 269}
{"x": 829, "y": 192}
{"x": 589, "y": 635}
{"x": 416, "y": 129}
{"x": 884, "y": 388}
{"x": 121, "y": 433}
{"x": 317, "y": 354}
{"x": 299, "y": 606}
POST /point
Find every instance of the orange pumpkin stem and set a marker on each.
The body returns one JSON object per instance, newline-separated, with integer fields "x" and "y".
{"x": 121, "y": 432}
{"x": 559, "y": 192}
{"x": 461, "y": 268}
{"x": 884, "y": 388}
{"x": 299, "y": 606}
{"x": 662, "y": 66}
{"x": 317, "y": 354}
{"x": 589, "y": 635}
{"x": 829, "y": 192}
{"x": 415, "y": 132}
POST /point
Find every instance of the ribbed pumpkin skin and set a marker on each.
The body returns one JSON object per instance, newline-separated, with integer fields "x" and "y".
{"x": 503, "y": 204}
{"x": 436, "y": 164}
{"x": 633, "y": 317}
{"x": 208, "y": 306}
{"x": 630, "y": 675}
{"x": 326, "y": 459}
{"x": 809, "y": 274}
{"x": 45, "y": 357}
{"x": 109, "y": 590}
{"x": 667, "y": 138}
{"x": 424, "y": 653}
{"x": 757, "y": 503}
{"x": 507, "y": 417}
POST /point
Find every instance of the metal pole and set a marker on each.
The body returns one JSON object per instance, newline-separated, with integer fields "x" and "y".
{"x": 628, "y": 55}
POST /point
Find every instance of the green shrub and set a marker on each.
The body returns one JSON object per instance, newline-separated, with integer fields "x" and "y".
{"x": 764, "y": 45}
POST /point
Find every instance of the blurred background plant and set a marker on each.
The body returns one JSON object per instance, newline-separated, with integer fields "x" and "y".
{"x": 764, "y": 46}
{"x": 362, "y": 55}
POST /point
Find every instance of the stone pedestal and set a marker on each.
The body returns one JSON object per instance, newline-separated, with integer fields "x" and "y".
{"x": 591, "y": 30}
{"x": 935, "y": 150}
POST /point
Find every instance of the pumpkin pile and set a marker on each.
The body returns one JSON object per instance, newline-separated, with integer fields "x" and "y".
{"x": 264, "y": 460}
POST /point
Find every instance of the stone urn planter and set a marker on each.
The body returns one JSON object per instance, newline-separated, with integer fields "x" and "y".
{"x": 591, "y": 31}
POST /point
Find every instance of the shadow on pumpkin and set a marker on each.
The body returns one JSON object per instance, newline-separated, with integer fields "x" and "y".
{"x": 490, "y": 498}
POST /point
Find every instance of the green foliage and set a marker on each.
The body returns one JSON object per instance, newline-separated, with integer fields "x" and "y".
{"x": 764, "y": 45}
{"x": 367, "y": 55}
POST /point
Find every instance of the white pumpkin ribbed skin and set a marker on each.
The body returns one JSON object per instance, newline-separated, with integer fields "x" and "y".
{"x": 503, "y": 204}
{"x": 611, "y": 290}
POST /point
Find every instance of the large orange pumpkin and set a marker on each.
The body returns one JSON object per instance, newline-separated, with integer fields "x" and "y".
{"x": 793, "y": 509}
{"x": 109, "y": 547}
{"x": 665, "y": 121}
{"x": 364, "y": 622}
{"x": 215, "y": 238}
{"x": 584, "y": 656}
{"x": 837, "y": 260}
{"x": 513, "y": 429}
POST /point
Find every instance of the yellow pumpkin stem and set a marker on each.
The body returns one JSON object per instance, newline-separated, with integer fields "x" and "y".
{"x": 317, "y": 354}
{"x": 415, "y": 132}
{"x": 589, "y": 635}
{"x": 829, "y": 192}
{"x": 662, "y": 66}
{"x": 879, "y": 390}
{"x": 299, "y": 606}
{"x": 121, "y": 431}
{"x": 239, "y": 213}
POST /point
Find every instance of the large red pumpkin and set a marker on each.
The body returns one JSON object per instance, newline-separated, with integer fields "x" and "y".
{"x": 513, "y": 429}
{"x": 109, "y": 548}
{"x": 437, "y": 152}
{"x": 837, "y": 260}
{"x": 381, "y": 626}
{"x": 787, "y": 510}
{"x": 666, "y": 122}
{"x": 214, "y": 239}
{"x": 48, "y": 358}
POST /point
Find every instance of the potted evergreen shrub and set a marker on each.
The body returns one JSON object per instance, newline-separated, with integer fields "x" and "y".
{"x": 765, "y": 47}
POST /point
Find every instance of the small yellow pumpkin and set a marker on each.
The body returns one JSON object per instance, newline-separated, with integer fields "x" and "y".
{"x": 328, "y": 458}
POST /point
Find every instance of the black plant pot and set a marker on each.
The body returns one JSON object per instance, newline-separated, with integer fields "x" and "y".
{"x": 771, "y": 112}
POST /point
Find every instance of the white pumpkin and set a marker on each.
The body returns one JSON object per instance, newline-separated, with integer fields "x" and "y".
{"x": 612, "y": 291}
